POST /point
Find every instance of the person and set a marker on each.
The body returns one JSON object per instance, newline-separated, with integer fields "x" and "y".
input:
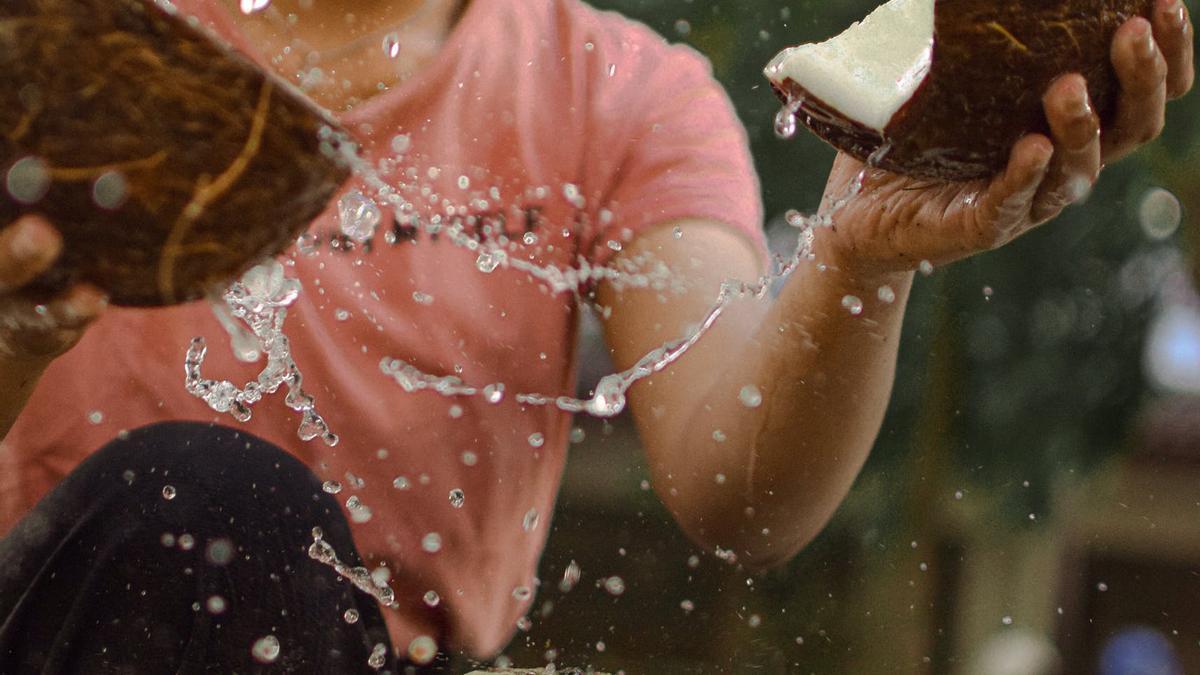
{"x": 509, "y": 118}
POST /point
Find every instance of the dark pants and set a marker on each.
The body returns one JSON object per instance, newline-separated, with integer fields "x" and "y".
{"x": 108, "y": 575}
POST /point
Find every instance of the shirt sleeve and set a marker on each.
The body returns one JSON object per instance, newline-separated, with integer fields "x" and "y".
{"x": 673, "y": 145}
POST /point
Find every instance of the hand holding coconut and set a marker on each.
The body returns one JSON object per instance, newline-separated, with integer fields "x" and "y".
{"x": 940, "y": 193}
{"x": 34, "y": 332}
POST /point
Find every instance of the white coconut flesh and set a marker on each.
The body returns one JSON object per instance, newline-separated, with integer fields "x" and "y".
{"x": 871, "y": 70}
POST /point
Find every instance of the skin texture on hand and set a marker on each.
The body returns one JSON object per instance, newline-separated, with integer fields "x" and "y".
{"x": 825, "y": 373}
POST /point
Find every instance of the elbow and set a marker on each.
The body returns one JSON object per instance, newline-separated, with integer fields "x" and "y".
{"x": 756, "y": 543}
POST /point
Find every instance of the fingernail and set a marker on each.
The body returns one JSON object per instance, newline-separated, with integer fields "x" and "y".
{"x": 28, "y": 243}
{"x": 1176, "y": 14}
{"x": 1078, "y": 104}
{"x": 1145, "y": 41}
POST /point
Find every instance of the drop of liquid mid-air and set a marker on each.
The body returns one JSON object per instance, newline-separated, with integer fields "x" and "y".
{"x": 530, "y": 522}
{"x": 750, "y": 396}
{"x": 350, "y": 616}
{"x": 391, "y": 45}
{"x": 259, "y": 300}
{"x": 432, "y": 599}
{"x": 571, "y": 576}
{"x": 266, "y": 649}
{"x": 378, "y": 656}
{"x": 457, "y": 498}
{"x": 252, "y": 6}
{"x": 358, "y": 216}
{"x": 785, "y": 123}
{"x": 168, "y": 492}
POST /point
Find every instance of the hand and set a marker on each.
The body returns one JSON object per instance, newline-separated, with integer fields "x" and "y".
{"x": 30, "y": 331}
{"x": 897, "y": 222}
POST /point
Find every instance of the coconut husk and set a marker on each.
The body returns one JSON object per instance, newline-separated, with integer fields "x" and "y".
{"x": 173, "y": 163}
{"x": 993, "y": 61}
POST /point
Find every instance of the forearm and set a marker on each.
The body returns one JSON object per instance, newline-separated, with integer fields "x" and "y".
{"x": 823, "y": 373}
{"x": 18, "y": 378}
{"x": 825, "y": 377}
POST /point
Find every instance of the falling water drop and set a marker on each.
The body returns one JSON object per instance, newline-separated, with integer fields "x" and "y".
{"x": 530, "y": 521}
{"x": 378, "y": 656}
{"x": 266, "y": 649}
{"x": 332, "y": 487}
{"x": 432, "y": 599}
{"x": 615, "y": 586}
{"x": 785, "y": 123}
{"x": 391, "y": 45}
{"x": 1160, "y": 214}
{"x": 457, "y": 498}
{"x": 750, "y": 396}
{"x": 853, "y": 304}
{"x": 358, "y": 216}
{"x": 28, "y": 180}
{"x": 350, "y": 616}
{"x": 431, "y": 543}
{"x": 168, "y": 492}
{"x": 252, "y": 6}
{"x": 886, "y": 295}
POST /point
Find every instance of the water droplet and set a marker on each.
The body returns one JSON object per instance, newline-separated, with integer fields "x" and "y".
{"x": 1007, "y": 621}
{"x": 494, "y": 393}
{"x": 529, "y": 239}
{"x": 750, "y": 396}
{"x": 536, "y": 440}
{"x": 785, "y": 123}
{"x": 422, "y": 650}
{"x": 687, "y": 605}
{"x": 358, "y": 216}
{"x": 570, "y": 577}
{"x": 600, "y": 646}
{"x": 432, "y": 599}
{"x": 926, "y": 267}
{"x": 350, "y": 616}
{"x": 95, "y": 417}
{"x": 332, "y": 487}
{"x": 342, "y": 315}
{"x": 683, "y": 27}
{"x": 457, "y": 497}
{"x": 886, "y": 295}
{"x": 391, "y": 45}
{"x": 215, "y": 604}
{"x": 252, "y": 6}
{"x": 28, "y": 180}
{"x": 577, "y": 435}
{"x": 488, "y": 261}
{"x": 401, "y": 483}
{"x": 530, "y": 522}
{"x": 422, "y": 298}
{"x": 720, "y": 479}
{"x": 1102, "y": 587}
{"x": 719, "y": 436}
{"x": 455, "y": 411}
{"x": 677, "y": 233}
{"x": 265, "y": 649}
{"x": 1160, "y": 214}
{"x": 853, "y": 304}
{"x": 612, "y": 69}
{"x": 219, "y": 552}
{"x": 959, "y": 494}
{"x": 168, "y": 492}
{"x": 378, "y": 656}
{"x": 401, "y": 143}
{"x": 469, "y": 458}
{"x": 522, "y": 593}
{"x": 110, "y": 190}
{"x": 614, "y": 586}
{"x": 464, "y": 182}
{"x": 524, "y": 624}
{"x": 431, "y": 543}
{"x": 754, "y": 621}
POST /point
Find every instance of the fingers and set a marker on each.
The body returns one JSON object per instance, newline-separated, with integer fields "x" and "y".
{"x": 1173, "y": 32}
{"x": 1141, "y": 107}
{"x": 1076, "y": 132}
{"x": 1004, "y": 210}
{"x": 27, "y": 248}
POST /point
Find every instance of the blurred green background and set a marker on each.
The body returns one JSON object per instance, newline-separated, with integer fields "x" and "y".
{"x": 1032, "y": 495}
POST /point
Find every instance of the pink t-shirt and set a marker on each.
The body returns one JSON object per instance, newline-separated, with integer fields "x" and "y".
{"x": 528, "y": 98}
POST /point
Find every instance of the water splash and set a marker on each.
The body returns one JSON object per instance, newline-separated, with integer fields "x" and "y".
{"x": 259, "y": 300}
{"x": 321, "y": 551}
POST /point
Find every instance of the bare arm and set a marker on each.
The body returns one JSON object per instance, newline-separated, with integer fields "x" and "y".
{"x": 764, "y": 480}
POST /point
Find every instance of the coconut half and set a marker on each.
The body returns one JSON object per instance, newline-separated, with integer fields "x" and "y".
{"x": 169, "y": 163}
{"x": 944, "y": 88}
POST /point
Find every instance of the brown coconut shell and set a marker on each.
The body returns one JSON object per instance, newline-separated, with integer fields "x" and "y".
{"x": 992, "y": 63}
{"x": 221, "y": 162}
